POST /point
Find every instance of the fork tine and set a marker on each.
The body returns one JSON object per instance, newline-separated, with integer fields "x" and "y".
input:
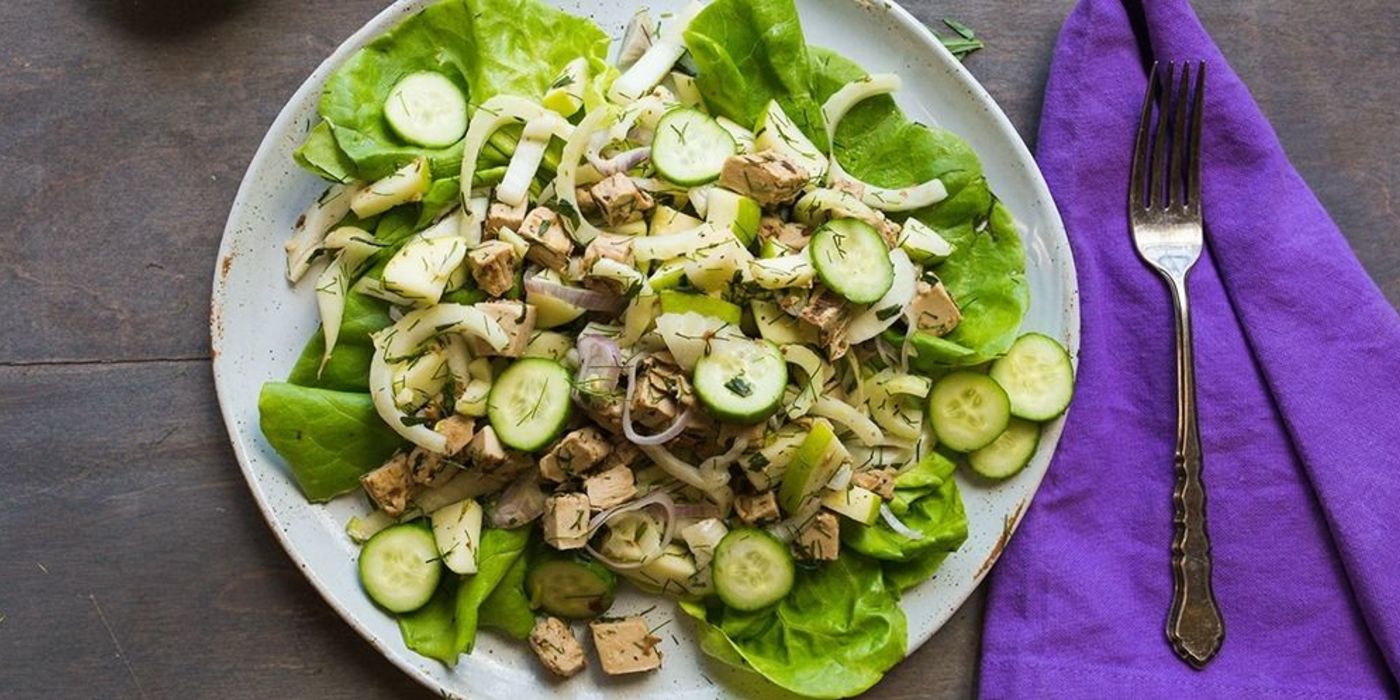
{"x": 1193, "y": 173}
{"x": 1176, "y": 191}
{"x": 1157, "y": 189}
{"x": 1136, "y": 180}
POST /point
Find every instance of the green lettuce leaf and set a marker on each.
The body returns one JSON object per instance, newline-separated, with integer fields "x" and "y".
{"x": 445, "y": 628}
{"x": 927, "y": 500}
{"x": 328, "y": 438}
{"x": 833, "y": 636}
{"x": 322, "y": 156}
{"x": 348, "y": 368}
{"x": 485, "y": 47}
{"x": 507, "y": 608}
{"x": 986, "y": 273}
{"x": 903, "y": 575}
{"x": 750, "y": 52}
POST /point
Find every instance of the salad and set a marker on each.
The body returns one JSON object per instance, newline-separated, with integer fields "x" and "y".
{"x": 714, "y": 320}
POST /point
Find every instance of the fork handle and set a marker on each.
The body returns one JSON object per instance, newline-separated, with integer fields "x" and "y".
{"x": 1194, "y": 625}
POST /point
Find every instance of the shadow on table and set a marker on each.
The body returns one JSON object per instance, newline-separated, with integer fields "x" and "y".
{"x": 167, "y": 19}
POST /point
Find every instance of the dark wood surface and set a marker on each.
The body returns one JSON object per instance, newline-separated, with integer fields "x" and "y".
{"x": 133, "y": 563}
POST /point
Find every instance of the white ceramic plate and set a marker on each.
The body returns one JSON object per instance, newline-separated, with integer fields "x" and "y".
{"x": 259, "y": 324}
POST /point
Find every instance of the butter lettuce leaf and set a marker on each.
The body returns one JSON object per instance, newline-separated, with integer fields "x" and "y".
{"x": 507, "y": 608}
{"x": 348, "y": 368}
{"x": 833, "y": 636}
{"x": 926, "y": 499}
{"x": 328, "y": 438}
{"x": 750, "y": 52}
{"x": 485, "y": 47}
{"x": 322, "y": 155}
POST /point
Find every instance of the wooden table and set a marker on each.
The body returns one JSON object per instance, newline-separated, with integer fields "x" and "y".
{"x": 133, "y": 562}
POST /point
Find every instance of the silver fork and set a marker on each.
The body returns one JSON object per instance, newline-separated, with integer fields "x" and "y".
{"x": 1164, "y": 204}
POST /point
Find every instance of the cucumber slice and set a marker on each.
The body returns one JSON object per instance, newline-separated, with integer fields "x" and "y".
{"x": 735, "y": 212}
{"x": 1009, "y": 453}
{"x": 399, "y": 568}
{"x": 741, "y": 380}
{"x": 673, "y": 302}
{"x": 752, "y": 569}
{"x": 529, "y": 403}
{"x": 573, "y": 587}
{"x": 852, "y": 260}
{"x": 1037, "y": 376}
{"x": 968, "y": 410}
{"x": 427, "y": 109}
{"x": 817, "y": 459}
{"x": 690, "y": 148}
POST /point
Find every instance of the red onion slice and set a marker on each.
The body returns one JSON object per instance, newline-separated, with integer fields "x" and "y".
{"x": 589, "y": 299}
{"x": 898, "y": 526}
{"x": 600, "y": 364}
{"x": 658, "y": 499}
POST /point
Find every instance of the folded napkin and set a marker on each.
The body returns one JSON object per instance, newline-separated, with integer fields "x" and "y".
{"x": 1298, "y": 363}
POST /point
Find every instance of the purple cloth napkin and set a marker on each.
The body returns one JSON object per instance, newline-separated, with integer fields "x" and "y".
{"x": 1298, "y": 361}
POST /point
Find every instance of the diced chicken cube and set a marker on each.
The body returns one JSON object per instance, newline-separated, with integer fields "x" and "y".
{"x": 493, "y": 265}
{"x": 757, "y": 508}
{"x": 502, "y": 215}
{"x": 517, "y": 319}
{"x": 607, "y": 246}
{"x": 587, "y": 206}
{"x": 565, "y": 521}
{"x": 458, "y": 430}
{"x": 934, "y": 310}
{"x": 663, "y": 391}
{"x": 831, "y": 315}
{"x": 522, "y": 502}
{"x": 549, "y": 244}
{"x": 624, "y": 454}
{"x": 880, "y": 481}
{"x": 557, "y": 648}
{"x": 619, "y": 201}
{"x": 391, "y": 484}
{"x": 819, "y": 539}
{"x": 625, "y": 646}
{"x": 610, "y": 488}
{"x": 605, "y": 410}
{"x": 791, "y": 235}
{"x": 485, "y": 449}
{"x": 769, "y": 177}
{"x": 575, "y": 454}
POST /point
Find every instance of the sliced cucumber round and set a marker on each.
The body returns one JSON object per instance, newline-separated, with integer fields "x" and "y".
{"x": 968, "y": 410}
{"x": 851, "y": 259}
{"x": 427, "y": 109}
{"x": 1009, "y": 453}
{"x": 690, "y": 148}
{"x": 752, "y": 569}
{"x": 570, "y": 586}
{"x": 529, "y": 403}
{"x": 1037, "y": 376}
{"x": 741, "y": 380}
{"x": 400, "y": 567}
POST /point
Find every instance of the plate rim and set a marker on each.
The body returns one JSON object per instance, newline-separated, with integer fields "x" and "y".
{"x": 375, "y": 26}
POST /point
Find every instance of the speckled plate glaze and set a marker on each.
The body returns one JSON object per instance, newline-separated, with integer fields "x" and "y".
{"x": 259, "y": 324}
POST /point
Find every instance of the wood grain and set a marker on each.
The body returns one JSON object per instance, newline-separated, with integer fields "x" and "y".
{"x": 133, "y": 563}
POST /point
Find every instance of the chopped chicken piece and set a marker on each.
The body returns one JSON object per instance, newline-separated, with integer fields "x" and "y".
{"x": 522, "y": 502}
{"x": 880, "y": 481}
{"x": 831, "y": 315}
{"x": 625, "y": 646}
{"x": 619, "y": 201}
{"x": 391, "y": 484}
{"x": 624, "y": 454}
{"x": 429, "y": 468}
{"x": 819, "y": 539}
{"x": 517, "y": 319}
{"x": 889, "y": 230}
{"x": 587, "y": 206}
{"x": 605, "y": 410}
{"x": 663, "y": 391}
{"x": 611, "y": 247}
{"x": 610, "y": 488}
{"x": 485, "y": 449}
{"x": 767, "y": 176}
{"x": 575, "y": 454}
{"x": 458, "y": 430}
{"x": 549, "y": 244}
{"x": 757, "y": 508}
{"x": 502, "y": 215}
{"x": 557, "y": 648}
{"x": 934, "y": 310}
{"x": 793, "y": 236}
{"x": 493, "y": 265}
{"x": 566, "y": 521}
